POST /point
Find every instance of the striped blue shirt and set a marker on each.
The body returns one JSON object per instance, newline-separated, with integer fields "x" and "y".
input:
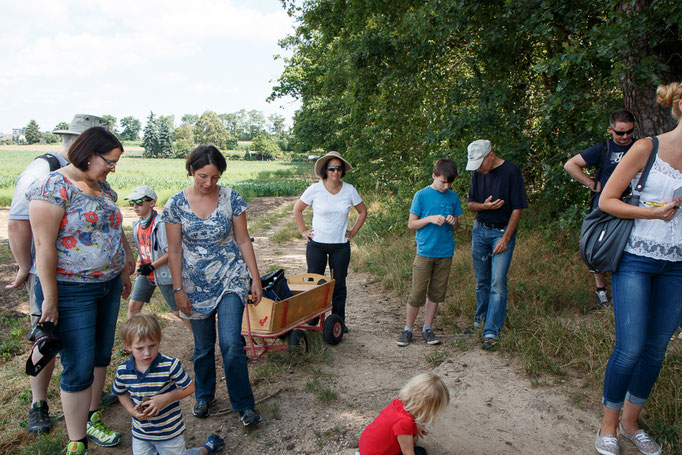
{"x": 164, "y": 375}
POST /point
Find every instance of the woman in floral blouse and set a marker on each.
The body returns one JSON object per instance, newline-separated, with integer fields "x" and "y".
{"x": 84, "y": 263}
{"x": 210, "y": 257}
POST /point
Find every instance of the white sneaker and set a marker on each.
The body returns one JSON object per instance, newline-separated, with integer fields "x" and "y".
{"x": 601, "y": 297}
{"x": 607, "y": 444}
{"x": 642, "y": 441}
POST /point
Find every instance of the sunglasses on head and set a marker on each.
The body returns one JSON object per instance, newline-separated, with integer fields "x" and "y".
{"x": 623, "y": 133}
{"x": 138, "y": 202}
{"x": 335, "y": 168}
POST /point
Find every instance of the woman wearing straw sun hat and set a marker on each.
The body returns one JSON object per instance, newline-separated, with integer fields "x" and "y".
{"x": 328, "y": 240}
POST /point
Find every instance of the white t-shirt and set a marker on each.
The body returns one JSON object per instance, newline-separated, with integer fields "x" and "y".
{"x": 37, "y": 170}
{"x": 330, "y": 211}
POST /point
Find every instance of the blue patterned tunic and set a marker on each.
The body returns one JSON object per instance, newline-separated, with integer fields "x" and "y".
{"x": 212, "y": 264}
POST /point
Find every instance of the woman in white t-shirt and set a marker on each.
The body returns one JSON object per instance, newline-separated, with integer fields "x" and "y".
{"x": 328, "y": 240}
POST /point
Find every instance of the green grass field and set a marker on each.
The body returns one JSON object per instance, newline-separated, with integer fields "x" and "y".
{"x": 168, "y": 176}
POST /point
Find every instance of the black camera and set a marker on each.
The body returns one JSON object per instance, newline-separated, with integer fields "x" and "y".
{"x": 47, "y": 342}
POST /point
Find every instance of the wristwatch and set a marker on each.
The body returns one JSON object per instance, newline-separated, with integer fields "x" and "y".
{"x": 178, "y": 289}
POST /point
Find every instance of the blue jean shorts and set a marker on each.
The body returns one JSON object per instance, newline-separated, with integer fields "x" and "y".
{"x": 144, "y": 289}
{"x": 86, "y": 325}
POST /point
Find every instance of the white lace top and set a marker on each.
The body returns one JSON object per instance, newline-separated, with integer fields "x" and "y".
{"x": 658, "y": 239}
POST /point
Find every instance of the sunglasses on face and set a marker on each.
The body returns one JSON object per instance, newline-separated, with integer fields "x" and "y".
{"x": 623, "y": 133}
{"x": 335, "y": 168}
{"x": 111, "y": 164}
{"x": 139, "y": 202}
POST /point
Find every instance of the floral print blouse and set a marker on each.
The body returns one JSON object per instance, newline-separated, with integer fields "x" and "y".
{"x": 212, "y": 264}
{"x": 88, "y": 243}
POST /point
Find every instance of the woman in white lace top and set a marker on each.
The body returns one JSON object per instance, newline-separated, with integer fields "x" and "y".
{"x": 647, "y": 286}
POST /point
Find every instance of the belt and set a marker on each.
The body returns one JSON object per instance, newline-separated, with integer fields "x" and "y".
{"x": 493, "y": 225}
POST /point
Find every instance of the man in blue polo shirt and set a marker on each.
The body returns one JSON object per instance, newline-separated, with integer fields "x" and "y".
{"x": 604, "y": 156}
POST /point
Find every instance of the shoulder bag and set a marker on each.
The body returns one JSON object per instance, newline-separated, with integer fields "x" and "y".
{"x": 603, "y": 236}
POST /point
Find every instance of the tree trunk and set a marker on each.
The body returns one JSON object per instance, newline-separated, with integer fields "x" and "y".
{"x": 640, "y": 95}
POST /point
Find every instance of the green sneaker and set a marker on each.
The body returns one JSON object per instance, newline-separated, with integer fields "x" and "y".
{"x": 76, "y": 448}
{"x": 101, "y": 434}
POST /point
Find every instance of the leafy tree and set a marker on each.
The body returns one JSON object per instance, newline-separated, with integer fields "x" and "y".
{"x": 256, "y": 123}
{"x": 131, "y": 128}
{"x": 276, "y": 124}
{"x": 189, "y": 119}
{"x": 113, "y": 124}
{"x": 210, "y": 130}
{"x": 150, "y": 140}
{"x": 32, "y": 133}
{"x": 395, "y": 88}
{"x": 61, "y": 126}
{"x": 51, "y": 138}
{"x": 266, "y": 147}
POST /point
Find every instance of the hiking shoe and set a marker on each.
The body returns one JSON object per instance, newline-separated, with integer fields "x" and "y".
{"x": 249, "y": 417}
{"x": 607, "y": 444}
{"x": 108, "y": 399}
{"x": 642, "y": 441}
{"x": 100, "y": 434}
{"x": 214, "y": 443}
{"x": 469, "y": 330}
{"x": 601, "y": 298}
{"x": 489, "y": 343}
{"x": 404, "y": 338}
{"x": 430, "y": 337}
{"x": 76, "y": 448}
{"x": 39, "y": 418}
{"x": 201, "y": 409}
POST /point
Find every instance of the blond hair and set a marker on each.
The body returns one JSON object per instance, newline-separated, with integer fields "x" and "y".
{"x": 669, "y": 96}
{"x": 142, "y": 326}
{"x": 424, "y": 396}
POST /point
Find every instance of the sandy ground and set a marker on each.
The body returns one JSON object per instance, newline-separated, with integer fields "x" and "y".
{"x": 493, "y": 410}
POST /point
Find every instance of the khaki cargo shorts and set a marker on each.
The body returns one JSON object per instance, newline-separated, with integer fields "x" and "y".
{"x": 429, "y": 278}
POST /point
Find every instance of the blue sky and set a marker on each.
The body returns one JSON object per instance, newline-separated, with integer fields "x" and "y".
{"x": 128, "y": 57}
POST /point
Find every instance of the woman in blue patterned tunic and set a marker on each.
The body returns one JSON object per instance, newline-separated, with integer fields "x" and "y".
{"x": 210, "y": 257}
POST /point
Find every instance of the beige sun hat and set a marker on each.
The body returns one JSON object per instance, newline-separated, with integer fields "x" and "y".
{"x": 323, "y": 160}
{"x": 82, "y": 122}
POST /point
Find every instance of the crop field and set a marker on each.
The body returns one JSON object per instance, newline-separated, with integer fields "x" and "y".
{"x": 168, "y": 176}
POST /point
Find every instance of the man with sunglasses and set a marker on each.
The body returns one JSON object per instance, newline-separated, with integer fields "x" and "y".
{"x": 604, "y": 156}
{"x": 149, "y": 232}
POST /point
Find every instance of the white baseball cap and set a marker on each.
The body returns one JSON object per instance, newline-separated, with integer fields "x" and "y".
{"x": 140, "y": 192}
{"x": 477, "y": 151}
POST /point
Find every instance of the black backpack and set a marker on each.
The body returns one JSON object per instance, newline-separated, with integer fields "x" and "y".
{"x": 52, "y": 160}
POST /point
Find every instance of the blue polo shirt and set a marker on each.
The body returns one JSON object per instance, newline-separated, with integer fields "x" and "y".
{"x": 165, "y": 374}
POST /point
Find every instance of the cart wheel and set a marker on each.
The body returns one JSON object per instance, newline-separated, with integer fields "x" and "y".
{"x": 298, "y": 341}
{"x": 333, "y": 329}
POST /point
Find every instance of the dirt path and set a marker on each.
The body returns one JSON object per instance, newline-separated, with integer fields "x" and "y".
{"x": 493, "y": 410}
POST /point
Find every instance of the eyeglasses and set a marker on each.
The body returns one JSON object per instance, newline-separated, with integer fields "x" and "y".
{"x": 139, "y": 202}
{"x": 111, "y": 164}
{"x": 622, "y": 133}
{"x": 335, "y": 168}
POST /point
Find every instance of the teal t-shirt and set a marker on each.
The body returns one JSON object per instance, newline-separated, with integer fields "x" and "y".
{"x": 435, "y": 241}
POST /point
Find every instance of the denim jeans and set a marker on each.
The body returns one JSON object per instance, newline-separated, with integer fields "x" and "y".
{"x": 316, "y": 255}
{"x": 229, "y": 313}
{"x": 647, "y": 310}
{"x": 86, "y": 325}
{"x": 490, "y": 271}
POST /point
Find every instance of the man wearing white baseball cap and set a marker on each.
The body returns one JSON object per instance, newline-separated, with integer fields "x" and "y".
{"x": 497, "y": 196}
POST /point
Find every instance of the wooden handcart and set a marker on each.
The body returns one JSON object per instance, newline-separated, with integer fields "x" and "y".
{"x": 264, "y": 325}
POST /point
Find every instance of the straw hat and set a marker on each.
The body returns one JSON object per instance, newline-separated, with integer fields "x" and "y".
{"x": 82, "y": 122}
{"x": 322, "y": 161}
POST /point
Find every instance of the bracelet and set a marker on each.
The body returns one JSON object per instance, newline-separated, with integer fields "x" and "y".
{"x": 178, "y": 289}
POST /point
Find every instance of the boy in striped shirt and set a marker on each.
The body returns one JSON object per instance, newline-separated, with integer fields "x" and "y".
{"x": 150, "y": 386}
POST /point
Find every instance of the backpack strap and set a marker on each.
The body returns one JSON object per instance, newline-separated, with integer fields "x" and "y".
{"x": 52, "y": 161}
{"x": 605, "y": 152}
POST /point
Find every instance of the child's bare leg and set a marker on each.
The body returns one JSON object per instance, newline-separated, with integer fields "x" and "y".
{"x": 411, "y": 315}
{"x": 430, "y": 312}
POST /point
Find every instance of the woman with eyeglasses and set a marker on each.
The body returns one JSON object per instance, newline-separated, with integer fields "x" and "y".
{"x": 647, "y": 284}
{"x": 328, "y": 240}
{"x": 84, "y": 264}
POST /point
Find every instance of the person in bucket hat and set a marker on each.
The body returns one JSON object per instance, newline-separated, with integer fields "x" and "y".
{"x": 21, "y": 245}
{"x": 328, "y": 240}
